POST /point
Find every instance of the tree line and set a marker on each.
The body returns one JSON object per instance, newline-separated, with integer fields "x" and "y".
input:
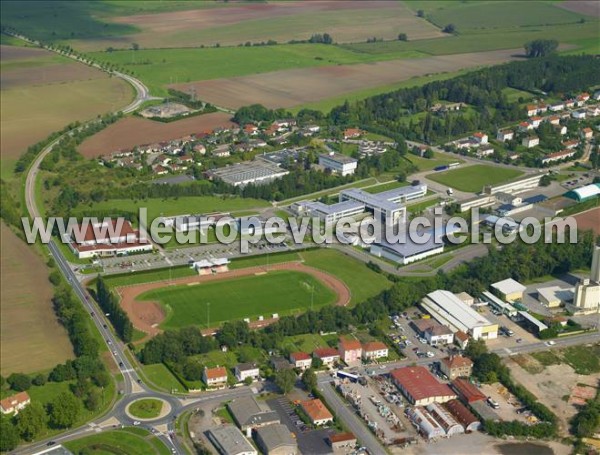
{"x": 110, "y": 305}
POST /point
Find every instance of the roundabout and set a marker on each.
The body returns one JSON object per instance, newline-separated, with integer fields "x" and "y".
{"x": 148, "y": 409}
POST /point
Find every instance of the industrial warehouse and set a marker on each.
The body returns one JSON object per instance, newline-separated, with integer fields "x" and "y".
{"x": 449, "y": 310}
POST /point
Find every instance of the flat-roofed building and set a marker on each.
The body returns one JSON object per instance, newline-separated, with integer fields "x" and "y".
{"x": 452, "y": 312}
{"x": 555, "y": 296}
{"x": 276, "y": 439}
{"x": 248, "y": 414}
{"x": 338, "y": 163}
{"x": 420, "y": 387}
{"x": 228, "y": 440}
{"x": 387, "y": 206}
{"x": 509, "y": 289}
{"x": 409, "y": 251}
{"x": 329, "y": 213}
{"x": 241, "y": 174}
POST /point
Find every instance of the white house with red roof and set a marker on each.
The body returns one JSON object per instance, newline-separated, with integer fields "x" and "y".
{"x": 480, "y": 138}
{"x": 374, "y": 350}
{"x": 215, "y": 377}
{"x": 587, "y": 133}
{"x": 300, "y": 360}
{"x": 15, "y": 403}
{"x": 327, "y": 355}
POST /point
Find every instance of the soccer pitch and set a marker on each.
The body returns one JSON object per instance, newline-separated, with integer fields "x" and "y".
{"x": 211, "y": 303}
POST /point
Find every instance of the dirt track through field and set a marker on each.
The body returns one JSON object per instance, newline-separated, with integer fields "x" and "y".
{"x": 147, "y": 316}
{"x": 294, "y": 87}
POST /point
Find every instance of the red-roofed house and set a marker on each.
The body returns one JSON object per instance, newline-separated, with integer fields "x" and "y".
{"x": 532, "y": 109}
{"x": 535, "y": 121}
{"x": 467, "y": 391}
{"x": 420, "y": 387}
{"x": 250, "y": 129}
{"x": 570, "y": 144}
{"x": 327, "y": 355}
{"x": 300, "y": 360}
{"x": 587, "y": 133}
{"x": 480, "y": 138}
{"x": 374, "y": 350}
{"x": 583, "y": 97}
{"x": 350, "y": 133}
{"x": 557, "y": 156}
{"x": 461, "y": 339}
{"x": 316, "y": 411}
{"x": 215, "y": 377}
{"x": 350, "y": 351}
{"x": 456, "y": 366}
{"x": 15, "y": 403}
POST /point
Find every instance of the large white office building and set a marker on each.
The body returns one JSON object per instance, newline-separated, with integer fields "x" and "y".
{"x": 338, "y": 163}
{"x": 449, "y": 310}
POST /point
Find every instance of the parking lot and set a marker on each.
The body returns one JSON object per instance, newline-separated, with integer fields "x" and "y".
{"x": 510, "y": 407}
{"x": 309, "y": 441}
{"x": 182, "y": 256}
{"x": 407, "y": 339}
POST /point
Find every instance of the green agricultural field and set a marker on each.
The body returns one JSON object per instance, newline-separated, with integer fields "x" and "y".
{"x": 160, "y": 67}
{"x": 282, "y": 292}
{"x": 473, "y": 178}
{"x": 119, "y": 442}
{"x": 494, "y": 14}
{"x": 361, "y": 280}
{"x": 178, "y": 206}
{"x": 147, "y": 408}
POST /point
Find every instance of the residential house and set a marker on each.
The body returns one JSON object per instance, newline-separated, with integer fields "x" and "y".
{"x": 374, "y": 350}
{"x": 328, "y": 356}
{"x": 300, "y": 360}
{"x": 569, "y": 104}
{"x": 505, "y": 135}
{"x": 279, "y": 363}
{"x": 215, "y": 377}
{"x": 583, "y": 98}
{"x": 351, "y": 133}
{"x": 530, "y": 141}
{"x": 535, "y": 121}
{"x": 562, "y": 129}
{"x": 456, "y": 366}
{"x": 250, "y": 129}
{"x": 597, "y": 95}
{"x": 532, "y": 110}
{"x": 350, "y": 351}
{"x": 557, "y": 156}
{"x": 480, "y": 138}
{"x": 15, "y": 403}
{"x": 570, "y": 144}
{"x": 578, "y": 115}
{"x": 587, "y": 133}
{"x": 461, "y": 339}
{"x": 557, "y": 107}
{"x": 316, "y": 411}
{"x": 243, "y": 371}
{"x": 484, "y": 151}
{"x": 200, "y": 148}
{"x": 524, "y": 127}
{"x": 593, "y": 111}
{"x": 553, "y": 119}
